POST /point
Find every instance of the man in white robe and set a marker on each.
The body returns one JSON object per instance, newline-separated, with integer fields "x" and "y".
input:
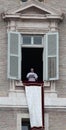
{"x": 32, "y": 76}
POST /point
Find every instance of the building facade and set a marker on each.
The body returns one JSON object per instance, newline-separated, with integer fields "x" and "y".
{"x": 32, "y": 34}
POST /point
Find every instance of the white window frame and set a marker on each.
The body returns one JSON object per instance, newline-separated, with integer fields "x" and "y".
{"x": 32, "y": 44}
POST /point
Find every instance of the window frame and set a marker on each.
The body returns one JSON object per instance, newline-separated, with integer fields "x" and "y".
{"x": 32, "y": 39}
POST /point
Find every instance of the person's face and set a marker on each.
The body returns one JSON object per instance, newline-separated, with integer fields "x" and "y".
{"x": 32, "y": 70}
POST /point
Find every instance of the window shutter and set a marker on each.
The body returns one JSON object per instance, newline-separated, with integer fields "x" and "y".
{"x": 14, "y": 55}
{"x": 51, "y": 56}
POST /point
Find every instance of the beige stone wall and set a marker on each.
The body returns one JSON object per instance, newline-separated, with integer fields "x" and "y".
{"x": 7, "y": 119}
{"x": 10, "y": 118}
{"x": 4, "y": 6}
{"x": 57, "y": 120}
{"x": 61, "y": 83}
{"x": 57, "y": 3}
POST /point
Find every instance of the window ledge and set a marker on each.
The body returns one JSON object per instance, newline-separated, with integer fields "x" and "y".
{"x": 21, "y": 84}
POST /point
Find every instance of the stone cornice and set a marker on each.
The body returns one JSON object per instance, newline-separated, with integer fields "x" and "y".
{"x": 14, "y": 100}
{"x": 35, "y": 16}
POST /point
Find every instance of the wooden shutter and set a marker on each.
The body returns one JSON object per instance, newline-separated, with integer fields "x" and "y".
{"x": 14, "y": 55}
{"x": 51, "y": 56}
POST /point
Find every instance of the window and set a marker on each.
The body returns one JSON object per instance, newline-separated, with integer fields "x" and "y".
{"x": 26, "y": 0}
{"x": 32, "y": 39}
{"x": 49, "y": 54}
{"x": 32, "y": 57}
{"x": 25, "y": 124}
{"x": 41, "y": 0}
{"x": 23, "y": 0}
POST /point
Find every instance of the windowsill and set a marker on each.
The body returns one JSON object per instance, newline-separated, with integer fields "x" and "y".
{"x": 22, "y": 84}
{"x": 19, "y": 88}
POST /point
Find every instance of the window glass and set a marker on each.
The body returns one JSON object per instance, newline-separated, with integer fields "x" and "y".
{"x": 26, "y": 39}
{"x": 32, "y": 39}
{"x": 37, "y": 39}
{"x": 25, "y": 128}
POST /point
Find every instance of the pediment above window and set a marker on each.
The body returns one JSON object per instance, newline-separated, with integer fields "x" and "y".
{"x": 33, "y": 10}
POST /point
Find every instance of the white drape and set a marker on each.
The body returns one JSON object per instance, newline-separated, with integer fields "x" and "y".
{"x": 34, "y": 101}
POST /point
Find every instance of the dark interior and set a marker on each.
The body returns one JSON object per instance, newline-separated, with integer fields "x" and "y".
{"x": 25, "y": 124}
{"x": 32, "y": 57}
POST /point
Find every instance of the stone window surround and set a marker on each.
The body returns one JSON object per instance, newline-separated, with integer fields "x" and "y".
{"x": 21, "y": 116}
{"x": 53, "y": 26}
{"x": 12, "y": 27}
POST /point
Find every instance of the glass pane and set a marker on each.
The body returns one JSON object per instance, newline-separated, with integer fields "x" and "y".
{"x": 14, "y": 43}
{"x": 52, "y": 46}
{"x": 52, "y": 67}
{"x": 37, "y": 39}
{"x": 26, "y": 39}
{"x": 25, "y": 128}
{"x": 14, "y": 66}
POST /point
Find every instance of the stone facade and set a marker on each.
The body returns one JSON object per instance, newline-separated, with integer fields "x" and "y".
{"x": 12, "y": 101}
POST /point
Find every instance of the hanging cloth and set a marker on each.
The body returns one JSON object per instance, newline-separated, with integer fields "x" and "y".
{"x": 34, "y": 102}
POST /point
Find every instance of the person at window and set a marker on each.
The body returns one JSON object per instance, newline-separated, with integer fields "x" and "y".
{"x": 32, "y": 76}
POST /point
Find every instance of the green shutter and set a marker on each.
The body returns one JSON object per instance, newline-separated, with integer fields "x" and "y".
{"x": 14, "y": 55}
{"x": 51, "y": 57}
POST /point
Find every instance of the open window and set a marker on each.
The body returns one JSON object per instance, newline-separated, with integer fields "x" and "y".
{"x": 32, "y": 57}
{"x": 26, "y": 51}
